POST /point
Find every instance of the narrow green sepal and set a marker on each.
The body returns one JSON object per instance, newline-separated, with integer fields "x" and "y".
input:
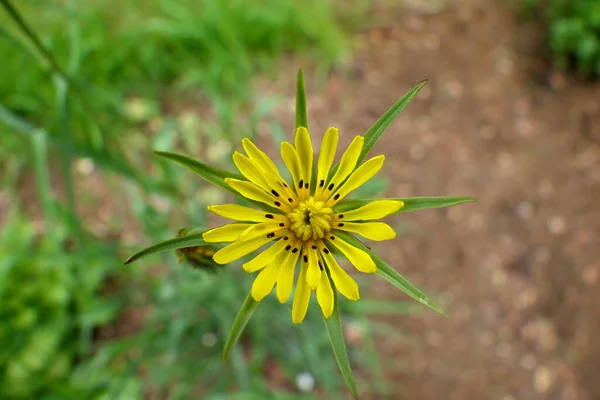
{"x": 391, "y": 275}
{"x": 373, "y": 134}
{"x": 239, "y": 323}
{"x": 333, "y": 324}
{"x": 410, "y": 203}
{"x": 301, "y": 115}
{"x": 195, "y": 239}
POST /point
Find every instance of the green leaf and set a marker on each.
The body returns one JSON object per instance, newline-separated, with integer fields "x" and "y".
{"x": 336, "y": 337}
{"x": 239, "y": 324}
{"x": 213, "y": 175}
{"x": 301, "y": 117}
{"x": 375, "y": 131}
{"x": 392, "y": 276}
{"x": 194, "y": 239}
{"x": 410, "y": 203}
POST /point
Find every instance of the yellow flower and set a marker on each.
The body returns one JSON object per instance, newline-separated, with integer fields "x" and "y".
{"x": 303, "y": 224}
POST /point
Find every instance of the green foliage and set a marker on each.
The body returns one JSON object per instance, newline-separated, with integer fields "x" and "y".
{"x": 49, "y": 305}
{"x": 573, "y": 32}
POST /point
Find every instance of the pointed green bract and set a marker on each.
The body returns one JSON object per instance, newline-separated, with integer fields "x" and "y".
{"x": 194, "y": 239}
{"x": 301, "y": 117}
{"x": 242, "y": 318}
{"x": 410, "y": 203}
{"x": 374, "y": 133}
{"x": 336, "y": 337}
{"x": 392, "y": 276}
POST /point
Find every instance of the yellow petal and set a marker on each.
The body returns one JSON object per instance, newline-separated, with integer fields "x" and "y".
{"x": 250, "y": 191}
{"x": 359, "y": 258}
{"x": 225, "y": 233}
{"x": 326, "y": 156}
{"x": 264, "y": 282}
{"x": 347, "y": 163}
{"x": 266, "y": 257}
{"x": 343, "y": 282}
{"x": 301, "y": 297}
{"x": 285, "y": 280}
{"x": 292, "y": 162}
{"x": 250, "y": 170}
{"x": 325, "y": 296}
{"x": 305, "y": 152}
{"x": 259, "y": 157}
{"x": 377, "y": 231}
{"x": 239, "y": 249}
{"x": 257, "y": 230}
{"x": 241, "y": 213}
{"x": 313, "y": 275}
{"x": 358, "y": 177}
{"x": 373, "y": 210}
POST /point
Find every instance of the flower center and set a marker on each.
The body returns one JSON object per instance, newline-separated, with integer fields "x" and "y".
{"x": 311, "y": 219}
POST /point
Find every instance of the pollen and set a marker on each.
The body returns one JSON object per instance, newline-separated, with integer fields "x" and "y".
{"x": 311, "y": 219}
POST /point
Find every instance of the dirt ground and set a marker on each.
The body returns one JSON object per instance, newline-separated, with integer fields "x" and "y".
{"x": 518, "y": 271}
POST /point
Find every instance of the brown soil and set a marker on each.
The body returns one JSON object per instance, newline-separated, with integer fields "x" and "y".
{"x": 518, "y": 271}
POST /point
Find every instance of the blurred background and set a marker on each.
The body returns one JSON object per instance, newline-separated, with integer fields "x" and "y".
{"x": 511, "y": 116}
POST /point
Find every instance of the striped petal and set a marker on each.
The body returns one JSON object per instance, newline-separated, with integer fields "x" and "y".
{"x": 304, "y": 148}
{"x": 301, "y": 297}
{"x": 313, "y": 274}
{"x": 359, "y": 258}
{"x": 328, "y": 148}
{"x": 225, "y": 233}
{"x": 266, "y": 257}
{"x": 250, "y": 170}
{"x": 239, "y": 249}
{"x": 347, "y": 163}
{"x": 359, "y": 177}
{"x": 241, "y": 213}
{"x": 285, "y": 280}
{"x": 374, "y": 210}
{"x": 261, "y": 229}
{"x": 264, "y": 282}
{"x": 250, "y": 191}
{"x": 259, "y": 157}
{"x": 377, "y": 231}
{"x": 325, "y": 296}
{"x": 343, "y": 282}
{"x": 292, "y": 162}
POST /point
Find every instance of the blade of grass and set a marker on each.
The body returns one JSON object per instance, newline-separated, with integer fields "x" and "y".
{"x": 410, "y": 203}
{"x": 194, "y": 239}
{"x": 239, "y": 323}
{"x": 40, "y": 160}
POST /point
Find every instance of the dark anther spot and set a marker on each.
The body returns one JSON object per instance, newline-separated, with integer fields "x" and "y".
{"x": 275, "y": 193}
{"x": 285, "y": 238}
{"x": 270, "y": 235}
{"x": 330, "y": 187}
{"x": 337, "y": 196}
{"x": 289, "y": 246}
{"x": 281, "y": 224}
{"x": 320, "y": 266}
{"x": 284, "y": 184}
{"x": 290, "y": 200}
{"x": 332, "y": 237}
{"x": 321, "y": 183}
{"x": 314, "y": 247}
{"x": 341, "y": 216}
{"x": 326, "y": 250}
{"x": 295, "y": 250}
{"x": 277, "y": 203}
{"x": 306, "y": 186}
{"x": 300, "y": 184}
{"x": 340, "y": 224}
{"x": 305, "y": 258}
{"x": 270, "y": 216}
